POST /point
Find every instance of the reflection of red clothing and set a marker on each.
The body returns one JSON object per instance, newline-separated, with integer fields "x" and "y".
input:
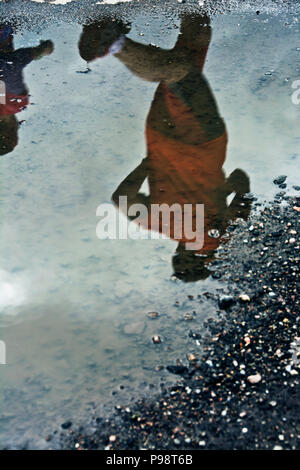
{"x": 14, "y": 104}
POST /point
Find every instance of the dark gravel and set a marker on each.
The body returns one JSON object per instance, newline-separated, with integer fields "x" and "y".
{"x": 244, "y": 392}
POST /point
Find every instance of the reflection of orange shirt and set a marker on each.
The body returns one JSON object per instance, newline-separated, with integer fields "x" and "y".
{"x": 187, "y": 174}
{"x": 184, "y": 171}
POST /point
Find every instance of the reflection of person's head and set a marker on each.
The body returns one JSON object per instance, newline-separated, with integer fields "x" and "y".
{"x": 98, "y": 36}
{"x": 8, "y": 133}
{"x": 189, "y": 266}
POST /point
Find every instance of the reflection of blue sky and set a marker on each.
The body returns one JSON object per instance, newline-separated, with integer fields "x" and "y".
{"x": 85, "y": 132}
{"x": 12, "y": 289}
{"x": 79, "y": 140}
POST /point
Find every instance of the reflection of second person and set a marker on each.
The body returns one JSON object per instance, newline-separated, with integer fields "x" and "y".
{"x": 15, "y": 96}
{"x": 186, "y": 137}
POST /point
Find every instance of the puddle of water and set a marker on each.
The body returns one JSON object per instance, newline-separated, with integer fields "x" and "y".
{"x": 73, "y": 307}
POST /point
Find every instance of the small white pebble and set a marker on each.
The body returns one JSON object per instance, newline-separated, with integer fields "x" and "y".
{"x": 244, "y": 430}
{"x": 290, "y": 370}
{"x": 254, "y": 379}
{"x": 156, "y": 339}
{"x": 244, "y": 298}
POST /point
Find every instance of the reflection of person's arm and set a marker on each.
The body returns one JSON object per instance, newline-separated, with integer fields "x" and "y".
{"x": 154, "y": 64}
{"x": 25, "y": 55}
{"x": 131, "y": 185}
{"x": 43, "y": 49}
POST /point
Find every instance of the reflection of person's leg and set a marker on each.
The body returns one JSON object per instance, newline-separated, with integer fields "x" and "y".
{"x": 154, "y": 64}
{"x": 8, "y": 133}
{"x": 6, "y": 39}
{"x": 194, "y": 89}
{"x": 195, "y": 36}
{"x": 157, "y": 64}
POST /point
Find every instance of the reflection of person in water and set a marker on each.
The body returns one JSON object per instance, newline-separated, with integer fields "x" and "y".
{"x": 14, "y": 95}
{"x": 186, "y": 138}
